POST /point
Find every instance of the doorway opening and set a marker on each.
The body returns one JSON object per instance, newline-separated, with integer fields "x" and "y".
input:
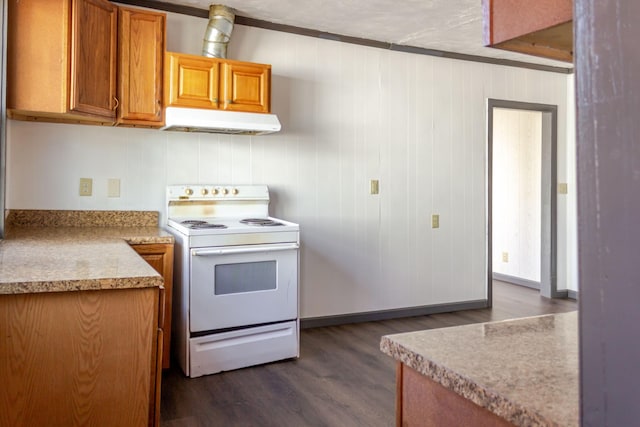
{"x": 536, "y": 260}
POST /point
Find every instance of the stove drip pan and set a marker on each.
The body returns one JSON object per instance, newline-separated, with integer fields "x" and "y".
{"x": 263, "y": 222}
{"x": 197, "y": 224}
{"x": 193, "y": 222}
{"x": 207, "y": 225}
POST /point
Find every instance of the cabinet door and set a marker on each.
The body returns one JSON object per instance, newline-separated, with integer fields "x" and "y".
{"x": 246, "y": 87}
{"x": 156, "y": 385}
{"x": 191, "y": 81}
{"x": 38, "y": 62}
{"x": 78, "y": 358}
{"x": 160, "y": 257}
{"x": 93, "y": 57}
{"x": 141, "y": 41}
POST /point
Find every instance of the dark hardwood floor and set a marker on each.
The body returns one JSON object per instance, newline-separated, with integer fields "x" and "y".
{"x": 341, "y": 378}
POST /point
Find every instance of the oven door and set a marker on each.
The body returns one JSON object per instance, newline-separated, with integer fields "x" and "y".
{"x": 243, "y": 285}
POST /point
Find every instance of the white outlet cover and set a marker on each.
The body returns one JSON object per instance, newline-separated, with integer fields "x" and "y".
{"x": 113, "y": 187}
{"x": 86, "y": 185}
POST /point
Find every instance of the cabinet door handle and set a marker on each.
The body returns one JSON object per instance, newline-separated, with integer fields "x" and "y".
{"x": 115, "y": 107}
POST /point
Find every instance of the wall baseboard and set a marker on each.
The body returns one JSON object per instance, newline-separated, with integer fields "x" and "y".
{"x": 372, "y": 316}
{"x": 516, "y": 280}
{"x": 572, "y": 294}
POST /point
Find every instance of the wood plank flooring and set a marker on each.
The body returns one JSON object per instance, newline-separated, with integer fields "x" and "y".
{"x": 341, "y": 378}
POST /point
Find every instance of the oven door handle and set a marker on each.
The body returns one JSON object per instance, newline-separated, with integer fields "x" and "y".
{"x": 244, "y": 250}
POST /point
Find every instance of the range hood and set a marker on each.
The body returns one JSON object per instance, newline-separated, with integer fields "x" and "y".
{"x": 218, "y": 121}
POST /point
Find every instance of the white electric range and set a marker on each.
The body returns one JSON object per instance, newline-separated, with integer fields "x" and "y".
{"x": 236, "y": 278}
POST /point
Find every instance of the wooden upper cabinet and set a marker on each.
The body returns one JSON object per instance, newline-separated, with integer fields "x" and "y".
{"x": 141, "y": 41}
{"x": 73, "y": 61}
{"x": 542, "y": 28}
{"x": 246, "y": 87}
{"x": 93, "y": 57}
{"x": 49, "y": 70}
{"x": 213, "y": 83}
{"x": 191, "y": 81}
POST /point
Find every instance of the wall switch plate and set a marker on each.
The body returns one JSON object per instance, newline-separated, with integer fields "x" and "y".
{"x": 374, "y": 186}
{"x": 86, "y": 186}
{"x": 562, "y": 188}
{"x": 505, "y": 256}
{"x": 113, "y": 187}
{"x": 435, "y": 221}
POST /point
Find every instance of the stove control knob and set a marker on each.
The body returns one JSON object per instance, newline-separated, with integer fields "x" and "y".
{"x": 234, "y": 191}
{"x": 204, "y": 191}
{"x": 225, "y": 191}
{"x": 188, "y": 191}
{"x": 214, "y": 191}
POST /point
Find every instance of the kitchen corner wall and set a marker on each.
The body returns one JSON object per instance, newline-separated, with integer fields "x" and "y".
{"x": 349, "y": 114}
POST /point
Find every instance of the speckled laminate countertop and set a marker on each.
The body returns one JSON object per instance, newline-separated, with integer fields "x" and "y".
{"x": 523, "y": 370}
{"x": 43, "y": 252}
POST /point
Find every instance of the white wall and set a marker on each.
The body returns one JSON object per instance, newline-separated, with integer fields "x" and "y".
{"x": 349, "y": 114}
{"x": 516, "y": 195}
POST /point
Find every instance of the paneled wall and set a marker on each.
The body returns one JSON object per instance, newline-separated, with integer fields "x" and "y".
{"x": 349, "y": 114}
{"x": 516, "y": 198}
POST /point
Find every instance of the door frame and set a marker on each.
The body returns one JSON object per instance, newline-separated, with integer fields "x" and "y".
{"x": 549, "y": 215}
{"x": 4, "y": 7}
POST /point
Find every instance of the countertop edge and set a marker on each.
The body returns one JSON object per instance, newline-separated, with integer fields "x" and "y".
{"x": 155, "y": 240}
{"x": 27, "y": 249}
{"x": 463, "y": 386}
{"x": 54, "y": 286}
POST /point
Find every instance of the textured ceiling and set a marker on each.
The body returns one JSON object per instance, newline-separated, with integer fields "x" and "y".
{"x": 447, "y": 25}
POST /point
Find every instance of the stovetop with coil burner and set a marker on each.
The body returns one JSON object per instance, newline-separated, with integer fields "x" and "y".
{"x": 201, "y": 226}
{"x": 201, "y": 210}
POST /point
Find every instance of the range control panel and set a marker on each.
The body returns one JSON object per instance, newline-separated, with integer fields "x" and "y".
{"x": 217, "y": 192}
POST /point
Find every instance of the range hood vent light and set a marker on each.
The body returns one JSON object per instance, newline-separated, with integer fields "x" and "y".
{"x": 218, "y": 121}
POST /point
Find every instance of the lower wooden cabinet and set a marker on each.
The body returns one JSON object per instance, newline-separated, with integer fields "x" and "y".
{"x": 80, "y": 358}
{"x": 420, "y": 401}
{"x": 160, "y": 257}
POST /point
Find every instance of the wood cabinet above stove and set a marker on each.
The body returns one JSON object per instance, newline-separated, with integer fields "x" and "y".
{"x": 212, "y": 83}
{"x": 543, "y": 28}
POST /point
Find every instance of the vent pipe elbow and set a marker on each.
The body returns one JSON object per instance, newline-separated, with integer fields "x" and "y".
{"x": 218, "y": 33}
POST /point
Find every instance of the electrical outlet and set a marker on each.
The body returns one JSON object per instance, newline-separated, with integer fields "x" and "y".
{"x": 86, "y": 186}
{"x": 505, "y": 256}
{"x": 113, "y": 187}
{"x": 374, "y": 186}
{"x": 435, "y": 221}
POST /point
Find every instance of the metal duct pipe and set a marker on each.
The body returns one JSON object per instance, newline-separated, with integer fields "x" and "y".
{"x": 218, "y": 33}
